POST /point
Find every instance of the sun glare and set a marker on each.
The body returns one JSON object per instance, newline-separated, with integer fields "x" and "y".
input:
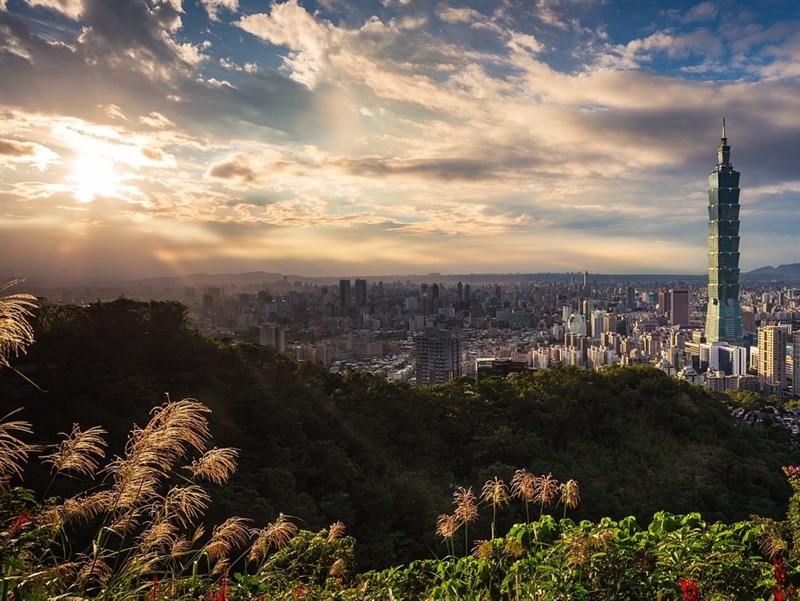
{"x": 94, "y": 176}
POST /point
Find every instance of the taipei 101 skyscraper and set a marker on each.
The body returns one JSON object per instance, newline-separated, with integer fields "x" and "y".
{"x": 724, "y": 315}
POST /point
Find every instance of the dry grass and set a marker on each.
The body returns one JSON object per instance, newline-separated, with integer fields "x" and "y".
{"x": 466, "y": 505}
{"x": 570, "y": 494}
{"x": 79, "y": 452}
{"x": 495, "y": 492}
{"x": 446, "y": 526}
{"x": 231, "y": 534}
{"x": 13, "y": 451}
{"x": 216, "y": 465}
{"x": 546, "y": 490}
{"x": 523, "y": 485}
{"x": 184, "y": 504}
{"x": 16, "y": 333}
{"x": 276, "y": 535}
{"x": 336, "y": 531}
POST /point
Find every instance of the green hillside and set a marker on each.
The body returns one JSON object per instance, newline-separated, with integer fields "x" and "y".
{"x": 385, "y": 458}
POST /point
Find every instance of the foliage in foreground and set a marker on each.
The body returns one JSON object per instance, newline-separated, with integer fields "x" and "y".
{"x": 136, "y": 536}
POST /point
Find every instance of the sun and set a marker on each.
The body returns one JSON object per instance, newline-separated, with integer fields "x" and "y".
{"x": 94, "y": 175}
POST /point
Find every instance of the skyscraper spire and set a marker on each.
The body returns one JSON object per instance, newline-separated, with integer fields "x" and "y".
{"x": 724, "y": 150}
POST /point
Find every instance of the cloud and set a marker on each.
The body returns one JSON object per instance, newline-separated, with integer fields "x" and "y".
{"x": 17, "y": 152}
{"x": 450, "y": 14}
{"x": 70, "y": 8}
{"x": 156, "y": 120}
{"x": 213, "y": 7}
{"x": 368, "y": 129}
{"x": 668, "y": 42}
{"x": 113, "y": 111}
{"x": 704, "y": 11}
{"x": 546, "y": 11}
{"x": 288, "y": 24}
{"x": 236, "y": 169}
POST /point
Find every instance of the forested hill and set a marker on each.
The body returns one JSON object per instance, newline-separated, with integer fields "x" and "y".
{"x": 383, "y": 457}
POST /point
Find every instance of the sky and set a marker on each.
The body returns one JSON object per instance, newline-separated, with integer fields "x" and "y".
{"x": 166, "y": 137}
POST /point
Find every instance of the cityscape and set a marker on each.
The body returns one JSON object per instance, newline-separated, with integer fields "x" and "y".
{"x": 359, "y": 300}
{"x": 433, "y": 331}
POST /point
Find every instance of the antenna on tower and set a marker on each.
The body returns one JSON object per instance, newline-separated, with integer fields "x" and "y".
{"x": 723, "y": 129}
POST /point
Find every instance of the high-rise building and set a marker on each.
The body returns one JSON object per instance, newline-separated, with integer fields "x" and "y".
{"x": 630, "y": 291}
{"x": 361, "y": 293}
{"x": 772, "y": 357}
{"x": 344, "y": 298}
{"x": 723, "y": 317}
{"x": 663, "y": 302}
{"x": 796, "y": 363}
{"x": 726, "y": 359}
{"x": 680, "y": 307}
{"x": 438, "y": 358}
{"x": 274, "y": 336}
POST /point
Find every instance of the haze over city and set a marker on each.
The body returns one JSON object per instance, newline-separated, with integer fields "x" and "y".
{"x": 404, "y": 136}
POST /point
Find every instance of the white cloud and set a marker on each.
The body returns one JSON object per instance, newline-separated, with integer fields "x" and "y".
{"x": 70, "y": 8}
{"x": 113, "y": 111}
{"x": 17, "y": 152}
{"x": 156, "y": 120}
{"x": 213, "y": 7}
{"x": 288, "y": 24}
{"x": 451, "y": 14}
{"x": 547, "y": 12}
{"x": 704, "y": 11}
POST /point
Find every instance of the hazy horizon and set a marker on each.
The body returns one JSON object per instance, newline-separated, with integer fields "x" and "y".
{"x": 391, "y": 137}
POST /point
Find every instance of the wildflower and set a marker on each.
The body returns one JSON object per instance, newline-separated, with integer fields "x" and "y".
{"x": 783, "y": 591}
{"x": 223, "y": 593}
{"x": 690, "y": 590}
{"x": 153, "y": 590}
{"x": 19, "y": 522}
{"x": 780, "y": 571}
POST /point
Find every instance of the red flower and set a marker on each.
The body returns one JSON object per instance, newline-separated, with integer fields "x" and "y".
{"x": 690, "y": 590}
{"x": 780, "y": 571}
{"x": 222, "y": 593}
{"x": 154, "y": 590}
{"x": 777, "y": 592}
{"x": 19, "y": 522}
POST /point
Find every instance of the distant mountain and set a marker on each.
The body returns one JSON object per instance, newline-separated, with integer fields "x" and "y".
{"x": 211, "y": 279}
{"x": 786, "y": 273}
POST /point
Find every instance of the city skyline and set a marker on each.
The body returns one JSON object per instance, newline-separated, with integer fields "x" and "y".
{"x": 403, "y": 136}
